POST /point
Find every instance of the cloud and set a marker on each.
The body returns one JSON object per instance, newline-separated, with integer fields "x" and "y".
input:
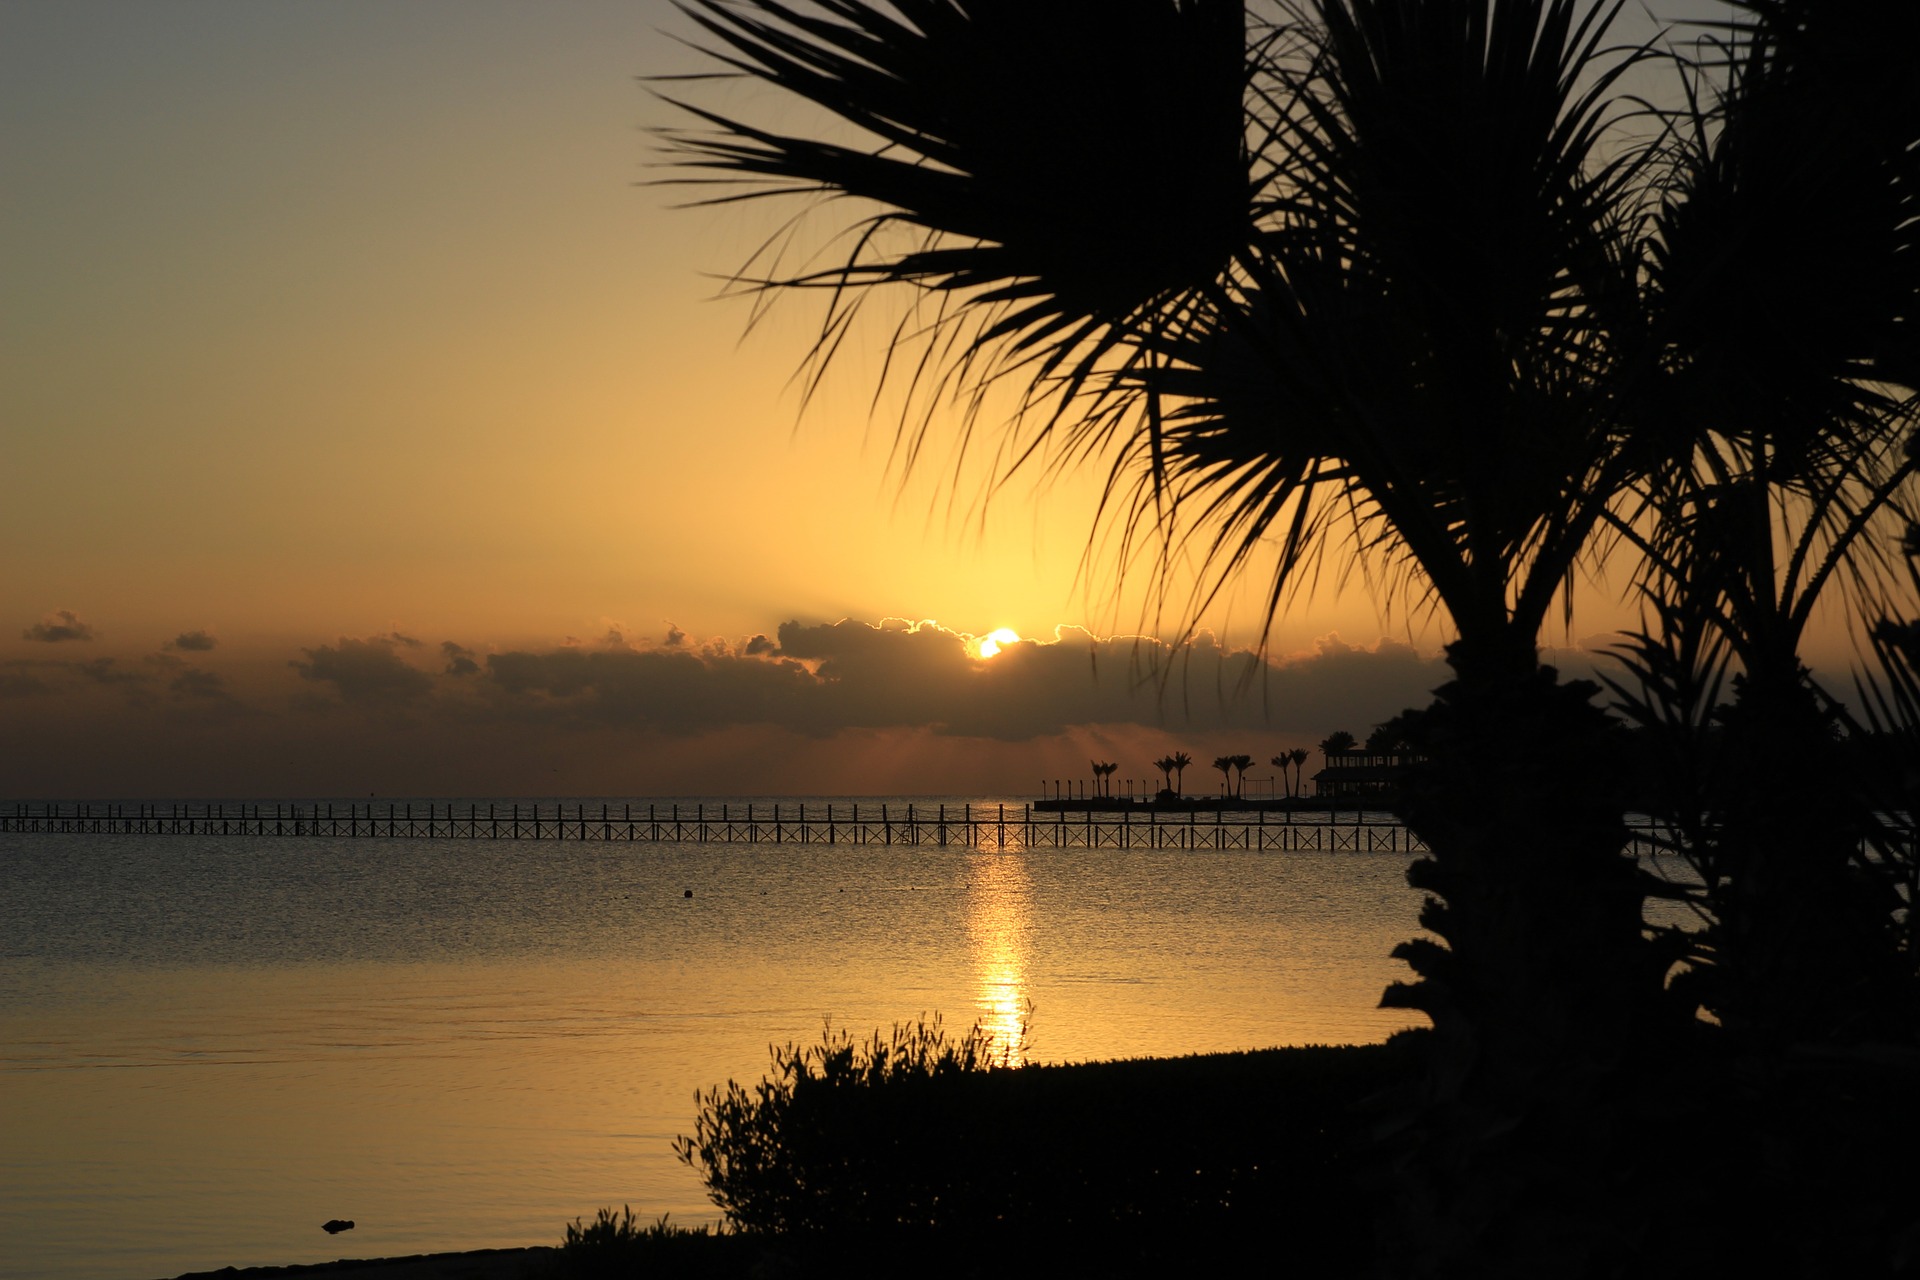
{"x": 849, "y": 705}
{"x": 17, "y": 681}
{"x": 459, "y": 659}
{"x": 192, "y": 642}
{"x": 819, "y": 680}
{"x": 105, "y": 671}
{"x": 195, "y": 683}
{"x": 201, "y": 696}
{"x": 23, "y": 677}
{"x": 58, "y": 627}
{"x": 366, "y": 672}
{"x": 675, "y": 690}
{"x": 675, "y": 637}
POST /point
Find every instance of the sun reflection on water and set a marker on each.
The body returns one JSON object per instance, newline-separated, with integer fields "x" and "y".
{"x": 998, "y": 923}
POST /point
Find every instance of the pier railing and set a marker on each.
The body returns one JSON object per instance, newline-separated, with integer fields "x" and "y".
{"x": 966, "y": 825}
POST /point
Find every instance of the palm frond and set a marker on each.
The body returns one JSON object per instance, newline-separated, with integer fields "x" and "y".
{"x": 1424, "y": 330}
{"x": 988, "y": 130}
{"x": 1784, "y": 272}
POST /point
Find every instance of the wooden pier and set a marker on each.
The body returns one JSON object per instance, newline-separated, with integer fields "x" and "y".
{"x": 965, "y": 825}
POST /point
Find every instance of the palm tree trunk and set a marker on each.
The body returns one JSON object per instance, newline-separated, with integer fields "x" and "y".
{"x": 1804, "y": 944}
{"x": 1546, "y": 999}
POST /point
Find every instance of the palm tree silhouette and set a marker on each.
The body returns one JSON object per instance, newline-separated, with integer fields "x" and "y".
{"x": 1385, "y": 739}
{"x": 1283, "y": 762}
{"x": 1225, "y": 765}
{"x": 1788, "y": 402}
{"x": 1338, "y": 740}
{"x": 1299, "y": 756}
{"x": 1165, "y": 765}
{"x": 1367, "y": 281}
{"x": 1180, "y": 760}
{"x": 1240, "y": 765}
{"x": 1101, "y": 772}
{"x": 1402, "y": 318}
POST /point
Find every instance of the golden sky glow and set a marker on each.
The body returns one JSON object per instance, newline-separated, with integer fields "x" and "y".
{"x": 344, "y": 327}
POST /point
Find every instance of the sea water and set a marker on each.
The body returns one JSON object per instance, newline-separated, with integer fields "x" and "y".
{"x": 211, "y": 1045}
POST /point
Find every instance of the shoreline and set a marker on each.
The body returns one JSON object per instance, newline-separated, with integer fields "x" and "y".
{"x": 521, "y": 1263}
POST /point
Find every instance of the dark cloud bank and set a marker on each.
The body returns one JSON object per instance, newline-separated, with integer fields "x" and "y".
{"x": 822, "y": 679}
{"x": 810, "y": 680}
{"x": 830, "y": 707}
{"x": 367, "y": 672}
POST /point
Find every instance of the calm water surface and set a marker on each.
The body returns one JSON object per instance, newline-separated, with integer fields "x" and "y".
{"x": 210, "y": 1046}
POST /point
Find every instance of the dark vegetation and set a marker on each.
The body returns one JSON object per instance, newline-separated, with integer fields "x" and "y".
{"x": 924, "y": 1147}
{"x": 912, "y": 1147}
{"x": 1418, "y": 286}
{"x": 617, "y": 1244}
{"x": 921, "y": 1134}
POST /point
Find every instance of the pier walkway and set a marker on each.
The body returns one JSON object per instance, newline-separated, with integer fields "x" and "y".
{"x": 965, "y": 825}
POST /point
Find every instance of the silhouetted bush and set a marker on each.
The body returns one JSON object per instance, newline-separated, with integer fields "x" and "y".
{"x": 616, "y": 1245}
{"x": 917, "y": 1137}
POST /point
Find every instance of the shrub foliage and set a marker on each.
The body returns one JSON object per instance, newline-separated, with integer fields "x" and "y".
{"x": 916, "y": 1133}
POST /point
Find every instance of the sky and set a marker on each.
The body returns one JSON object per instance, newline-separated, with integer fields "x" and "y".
{"x": 371, "y": 423}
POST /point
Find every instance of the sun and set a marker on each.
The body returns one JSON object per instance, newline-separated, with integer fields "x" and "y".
{"x": 994, "y": 641}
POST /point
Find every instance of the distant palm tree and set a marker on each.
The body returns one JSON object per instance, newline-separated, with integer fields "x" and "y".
{"x": 1225, "y": 765}
{"x": 1299, "y": 756}
{"x": 1240, "y": 765}
{"x": 1283, "y": 762}
{"x": 1339, "y": 740}
{"x": 1102, "y": 772}
{"x": 1180, "y": 762}
{"x": 1165, "y": 765}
